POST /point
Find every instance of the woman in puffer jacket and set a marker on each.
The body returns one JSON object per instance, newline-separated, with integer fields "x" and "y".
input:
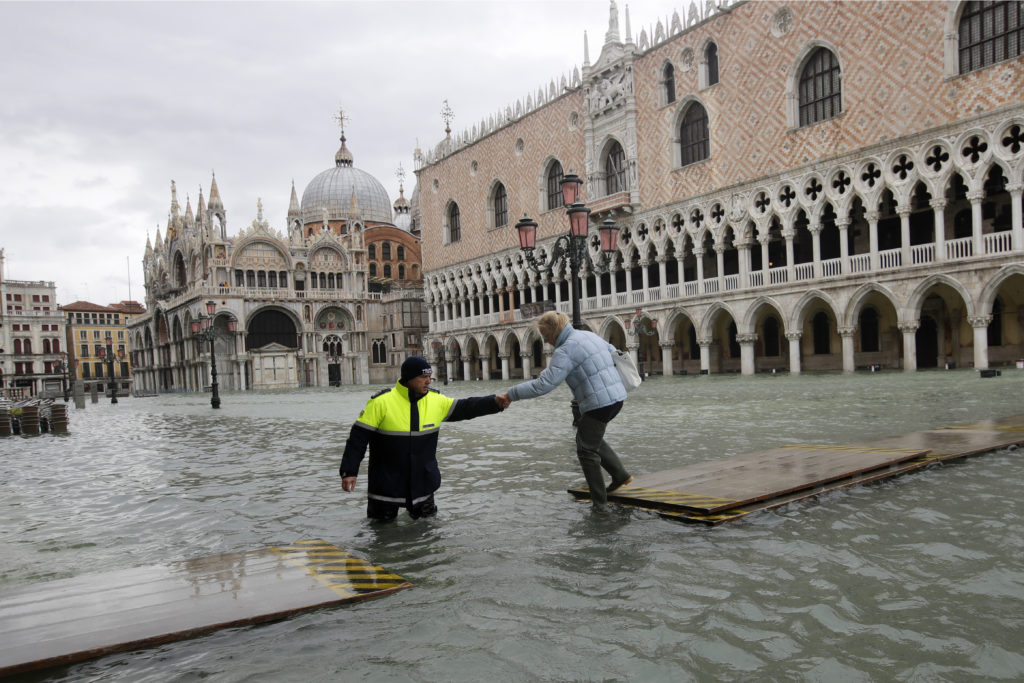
{"x": 584, "y": 361}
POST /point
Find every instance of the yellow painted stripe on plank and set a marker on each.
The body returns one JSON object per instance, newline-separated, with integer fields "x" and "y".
{"x": 993, "y": 428}
{"x": 328, "y": 563}
{"x": 855, "y": 449}
{"x": 661, "y": 496}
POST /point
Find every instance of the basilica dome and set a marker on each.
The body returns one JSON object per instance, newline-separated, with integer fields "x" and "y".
{"x": 335, "y": 188}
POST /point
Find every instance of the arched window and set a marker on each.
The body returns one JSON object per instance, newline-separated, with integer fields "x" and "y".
{"x": 385, "y": 251}
{"x": 373, "y": 270}
{"x": 380, "y": 354}
{"x": 250, "y": 278}
{"x": 615, "y": 170}
{"x": 454, "y": 224}
{"x": 17, "y": 346}
{"x": 668, "y": 77}
{"x": 711, "y": 63}
{"x": 272, "y": 278}
{"x": 371, "y": 251}
{"x": 694, "y": 143}
{"x": 27, "y": 348}
{"x": 554, "y": 185}
{"x": 261, "y": 278}
{"x": 387, "y": 270}
{"x": 401, "y": 252}
{"x": 46, "y": 346}
{"x": 56, "y": 345}
{"x": 990, "y": 32}
{"x": 500, "y": 206}
{"x": 820, "y": 90}
{"x": 401, "y": 271}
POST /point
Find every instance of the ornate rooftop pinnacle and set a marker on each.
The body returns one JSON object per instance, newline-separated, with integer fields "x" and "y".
{"x": 343, "y": 157}
{"x": 293, "y": 204}
{"x": 613, "y": 24}
{"x": 215, "y": 202}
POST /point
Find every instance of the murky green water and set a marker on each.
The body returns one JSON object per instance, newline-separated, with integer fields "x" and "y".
{"x": 919, "y": 578}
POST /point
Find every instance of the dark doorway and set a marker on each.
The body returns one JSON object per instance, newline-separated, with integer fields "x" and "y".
{"x": 927, "y": 340}
{"x": 334, "y": 374}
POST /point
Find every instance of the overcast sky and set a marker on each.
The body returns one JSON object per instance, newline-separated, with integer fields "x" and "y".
{"x": 103, "y": 104}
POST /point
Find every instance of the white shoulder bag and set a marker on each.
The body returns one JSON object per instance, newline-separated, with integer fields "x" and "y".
{"x": 627, "y": 369}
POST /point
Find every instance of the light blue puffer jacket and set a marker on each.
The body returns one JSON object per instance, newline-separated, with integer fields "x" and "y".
{"x": 584, "y": 361}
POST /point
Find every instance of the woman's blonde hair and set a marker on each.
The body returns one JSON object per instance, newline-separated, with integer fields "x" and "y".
{"x": 552, "y": 322}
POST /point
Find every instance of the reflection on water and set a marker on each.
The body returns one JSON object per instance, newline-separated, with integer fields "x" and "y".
{"x": 915, "y": 578}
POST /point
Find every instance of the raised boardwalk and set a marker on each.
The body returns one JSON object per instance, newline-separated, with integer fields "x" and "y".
{"x": 65, "y": 621}
{"x": 729, "y": 489}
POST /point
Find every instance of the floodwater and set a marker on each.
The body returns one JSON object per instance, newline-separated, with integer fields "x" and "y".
{"x": 918, "y": 578}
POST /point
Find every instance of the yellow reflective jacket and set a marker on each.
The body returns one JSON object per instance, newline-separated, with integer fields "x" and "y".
{"x": 402, "y": 436}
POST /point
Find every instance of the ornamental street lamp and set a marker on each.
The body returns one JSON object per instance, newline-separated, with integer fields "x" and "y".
{"x": 108, "y": 356}
{"x": 203, "y": 329}
{"x": 64, "y": 372}
{"x": 570, "y": 249}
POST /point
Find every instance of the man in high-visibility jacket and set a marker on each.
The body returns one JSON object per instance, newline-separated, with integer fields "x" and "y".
{"x": 401, "y": 426}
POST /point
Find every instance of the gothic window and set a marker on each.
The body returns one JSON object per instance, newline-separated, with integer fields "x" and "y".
{"x": 615, "y": 170}
{"x": 272, "y": 278}
{"x": 401, "y": 272}
{"x": 990, "y": 32}
{"x": 694, "y": 143}
{"x": 385, "y": 251}
{"x": 239, "y": 278}
{"x": 250, "y": 278}
{"x": 711, "y": 63}
{"x": 371, "y": 251}
{"x": 387, "y": 270}
{"x": 454, "y": 224}
{"x": 261, "y": 278}
{"x": 668, "y": 77}
{"x": 554, "y": 185}
{"x": 401, "y": 252}
{"x": 46, "y": 346}
{"x": 282, "y": 279}
{"x": 380, "y": 354}
{"x": 820, "y": 90}
{"x": 373, "y": 270}
{"x": 499, "y": 205}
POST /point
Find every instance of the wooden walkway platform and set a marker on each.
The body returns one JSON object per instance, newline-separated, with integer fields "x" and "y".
{"x": 61, "y": 622}
{"x": 725, "y": 490}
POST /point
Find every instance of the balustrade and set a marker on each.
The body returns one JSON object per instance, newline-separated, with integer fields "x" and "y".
{"x": 831, "y": 267}
{"x": 860, "y": 263}
{"x": 922, "y": 253}
{"x": 804, "y": 271}
{"x": 890, "y": 258}
{"x": 710, "y": 286}
{"x": 778, "y": 276}
{"x": 732, "y": 282}
{"x": 959, "y": 248}
{"x": 998, "y": 242}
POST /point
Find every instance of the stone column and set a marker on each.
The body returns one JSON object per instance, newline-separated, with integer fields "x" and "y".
{"x": 788, "y": 234}
{"x": 449, "y": 368}
{"x": 645, "y": 275}
{"x": 467, "y": 370}
{"x": 939, "y": 209}
{"x": 844, "y": 244}
{"x": 720, "y": 262}
{"x": 485, "y": 368}
{"x": 744, "y": 259}
{"x": 662, "y": 278}
{"x": 905, "y": 257}
{"x": 666, "y": 357}
{"x": 815, "y": 230}
{"x": 699, "y": 255}
{"x": 980, "y": 324}
{"x": 847, "y": 334}
{"x": 794, "y": 351}
{"x": 505, "y": 373}
{"x": 909, "y": 330}
{"x": 527, "y": 359}
{"x": 977, "y": 242}
{"x": 705, "y": 355}
{"x": 680, "y": 272}
{"x": 746, "y": 342}
{"x": 872, "y": 217}
{"x": 765, "y": 261}
{"x": 1015, "y": 216}
{"x": 612, "y": 270}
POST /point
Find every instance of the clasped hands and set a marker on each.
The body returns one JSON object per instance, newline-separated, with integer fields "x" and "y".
{"x": 503, "y": 401}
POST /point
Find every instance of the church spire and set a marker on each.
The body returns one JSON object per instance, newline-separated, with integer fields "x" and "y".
{"x": 215, "y": 201}
{"x": 343, "y": 157}
{"x": 613, "y": 24}
{"x": 293, "y": 205}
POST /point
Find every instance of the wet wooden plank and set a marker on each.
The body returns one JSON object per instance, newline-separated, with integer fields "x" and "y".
{"x": 931, "y": 446}
{"x": 733, "y": 482}
{"x": 61, "y": 622}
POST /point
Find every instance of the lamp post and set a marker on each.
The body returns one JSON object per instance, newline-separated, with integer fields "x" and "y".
{"x": 204, "y": 329}
{"x": 64, "y": 372}
{"x": 570, "y": 249}
{"x": 108, "y": 355}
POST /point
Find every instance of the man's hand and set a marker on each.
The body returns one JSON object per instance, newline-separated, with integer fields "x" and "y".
{"x": 348, "y": 484}
{"x": 503, "y": 401}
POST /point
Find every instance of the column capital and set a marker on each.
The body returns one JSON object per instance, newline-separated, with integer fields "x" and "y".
{"x": 939, "y": 203}
{"x": 504, "y": 356}
{"x": 666, "y": 344}
{"x": 794, "y": 336}
{"x": 980, "y": 320}
{"x": 976, "y": 196}
{"x": 847, "y": 331}
{"x": 707, "y": 341}
{"x": 909, "y": 326}
{"x": 871, "y": 216}
{"x": 746, "y": 338}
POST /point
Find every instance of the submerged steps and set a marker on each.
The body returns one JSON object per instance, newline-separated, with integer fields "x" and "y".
{"x": 726, "y": 490}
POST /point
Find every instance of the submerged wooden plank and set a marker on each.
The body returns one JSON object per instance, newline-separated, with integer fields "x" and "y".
{"x": 61, "y": 622}
{"x": 730, "y": 483}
